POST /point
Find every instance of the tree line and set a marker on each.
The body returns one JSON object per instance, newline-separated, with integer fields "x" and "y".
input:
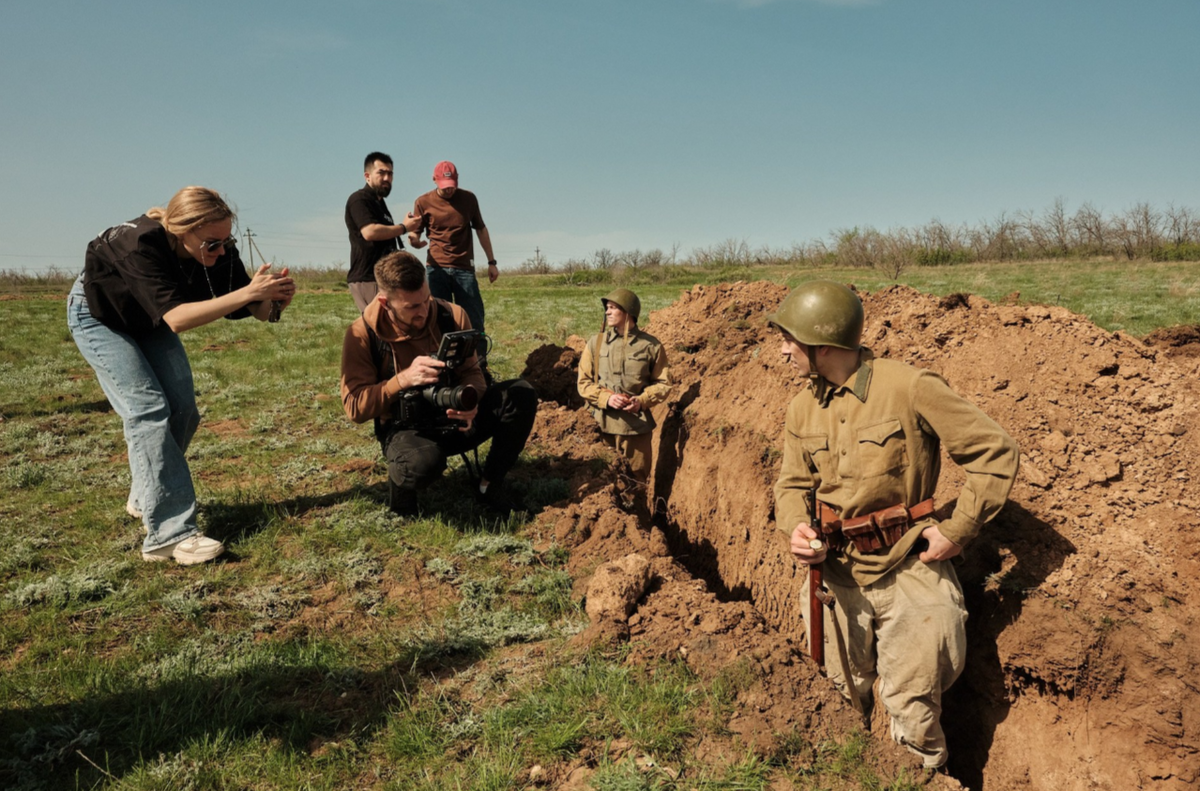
{"x": 1140, "y": 232}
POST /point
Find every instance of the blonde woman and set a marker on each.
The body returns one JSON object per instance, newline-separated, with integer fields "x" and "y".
{"x": 622, "y": 374}
{"x": 144, "y": 282}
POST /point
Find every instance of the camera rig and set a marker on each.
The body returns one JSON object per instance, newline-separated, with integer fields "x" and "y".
{"x": 425, "y": 407}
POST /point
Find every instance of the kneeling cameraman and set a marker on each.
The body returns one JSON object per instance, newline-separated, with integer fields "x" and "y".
{"x": 426, "y": 408}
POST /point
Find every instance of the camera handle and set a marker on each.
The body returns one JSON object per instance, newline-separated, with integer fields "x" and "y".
{"x": 486, "y": 341}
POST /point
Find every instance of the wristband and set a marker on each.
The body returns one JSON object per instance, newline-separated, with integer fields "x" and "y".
{"x": 492, "y": 262}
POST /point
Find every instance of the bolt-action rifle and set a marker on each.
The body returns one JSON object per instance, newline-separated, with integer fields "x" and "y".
{"x": 816, "y": 600}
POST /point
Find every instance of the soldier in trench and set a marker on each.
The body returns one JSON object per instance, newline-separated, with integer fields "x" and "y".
{"x": 623, "y": 373}
{"x": 865, "y": 434}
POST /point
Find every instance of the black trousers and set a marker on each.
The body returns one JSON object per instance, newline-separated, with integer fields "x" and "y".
{"x": 417, "y": 458}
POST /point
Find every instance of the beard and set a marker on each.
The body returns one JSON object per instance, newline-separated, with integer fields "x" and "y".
{"x": 383, "y": 190}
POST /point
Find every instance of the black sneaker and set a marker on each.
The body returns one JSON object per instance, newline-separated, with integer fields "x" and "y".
{"x": 498, "y": 499}
{"x": 402, "y": 502}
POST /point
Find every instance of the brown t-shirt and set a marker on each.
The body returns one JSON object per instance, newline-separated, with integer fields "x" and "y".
{"x": 448, "y": 224}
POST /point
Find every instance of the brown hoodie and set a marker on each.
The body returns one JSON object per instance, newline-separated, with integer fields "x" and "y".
{"x": 364, "y": 395}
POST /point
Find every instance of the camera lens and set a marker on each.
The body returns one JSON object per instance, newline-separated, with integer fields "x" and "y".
{"x": 463, "y": 398}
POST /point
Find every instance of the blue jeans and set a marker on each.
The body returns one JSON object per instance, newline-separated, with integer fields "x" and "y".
{"x": 148, "y": 381}
{"x": 460, "y": 287}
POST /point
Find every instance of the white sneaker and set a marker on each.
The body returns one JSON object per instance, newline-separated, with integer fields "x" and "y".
{"x": 188, "y": 552}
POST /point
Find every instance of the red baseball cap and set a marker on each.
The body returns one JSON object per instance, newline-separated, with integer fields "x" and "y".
{"x": 445, "y": 174}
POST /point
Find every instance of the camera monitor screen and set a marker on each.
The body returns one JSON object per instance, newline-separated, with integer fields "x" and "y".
{"x": 456, "y": 347}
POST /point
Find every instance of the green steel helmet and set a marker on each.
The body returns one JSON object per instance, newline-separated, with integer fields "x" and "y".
{"x": 624, "y": 299}
{"x": 821, "y": 313}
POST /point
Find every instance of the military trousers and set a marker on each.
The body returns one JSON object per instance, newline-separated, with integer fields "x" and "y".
{"x": 637, "y": 449}
{"x": 907, "y": 630}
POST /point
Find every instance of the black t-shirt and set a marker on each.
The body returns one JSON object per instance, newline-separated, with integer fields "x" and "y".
{"x": 132, "y": 277}
{"x": 366, "y": 208}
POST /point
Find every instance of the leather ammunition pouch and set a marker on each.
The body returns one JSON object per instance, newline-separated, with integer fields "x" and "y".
{"x": 871, "y": 532}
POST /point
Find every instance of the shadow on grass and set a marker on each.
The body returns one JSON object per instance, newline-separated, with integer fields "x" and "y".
{"x": 298, "y": 709}
{"x": 52, "y": 405}
{"x": 452, "y": 499}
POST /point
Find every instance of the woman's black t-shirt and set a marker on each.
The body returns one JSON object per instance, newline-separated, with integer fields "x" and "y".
{"x": 132, "y": 277}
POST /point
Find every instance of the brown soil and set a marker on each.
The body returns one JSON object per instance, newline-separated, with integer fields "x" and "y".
{"x": 1180, "y": 341}
{"x": 1082, "y": 660}
{"x": 226, "y": 428}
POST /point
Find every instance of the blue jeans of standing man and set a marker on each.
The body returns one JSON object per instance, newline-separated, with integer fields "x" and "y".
{"x": 460, "y": 287}
{"x": 148, "y": 381}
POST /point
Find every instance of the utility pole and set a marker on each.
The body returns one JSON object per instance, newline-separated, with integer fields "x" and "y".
{"x": 250, "y": 247}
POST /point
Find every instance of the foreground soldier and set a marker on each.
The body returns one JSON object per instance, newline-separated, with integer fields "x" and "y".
{"x": 866, "y": 434}
{"x": 622, "y": 374}
{"x": 387, "y": 369}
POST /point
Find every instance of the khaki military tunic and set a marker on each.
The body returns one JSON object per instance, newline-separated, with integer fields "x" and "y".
{"x": 635, "y": 365}
{"x": 874, "y": 442}
{"x": 866, "y": 445}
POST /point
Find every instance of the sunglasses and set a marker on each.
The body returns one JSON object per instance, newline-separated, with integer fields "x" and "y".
{"x": 212, "y": 245}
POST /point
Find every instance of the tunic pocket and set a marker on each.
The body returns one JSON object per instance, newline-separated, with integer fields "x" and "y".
{"x": 637, "y": 366}
{"x": 816, "y": 453}
{"x": 881, "y": 448}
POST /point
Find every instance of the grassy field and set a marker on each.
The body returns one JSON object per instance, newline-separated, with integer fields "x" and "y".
{"x": 338, "y": 647}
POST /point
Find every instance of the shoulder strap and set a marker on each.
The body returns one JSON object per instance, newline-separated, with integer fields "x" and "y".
{"x": 381, "y": 355}
{"x": 596, "y": 357}
{"x": 445, "y": 318}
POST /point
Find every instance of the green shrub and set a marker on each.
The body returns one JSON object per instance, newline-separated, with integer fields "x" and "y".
{"x": 1184, "y": 251}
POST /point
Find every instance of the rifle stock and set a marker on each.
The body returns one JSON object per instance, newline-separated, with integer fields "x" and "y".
{"x": 816, "y": 614}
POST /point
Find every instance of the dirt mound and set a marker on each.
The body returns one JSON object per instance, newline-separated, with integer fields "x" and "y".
{"x": 1081, "y": 667}
{"x": 1182, "y": 340}
{"x": 553, "y": 370}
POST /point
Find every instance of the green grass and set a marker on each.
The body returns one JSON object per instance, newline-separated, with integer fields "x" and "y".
{"x": 338, "y": 646}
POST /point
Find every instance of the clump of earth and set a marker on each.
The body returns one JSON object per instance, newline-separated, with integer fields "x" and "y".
{"x": 1082, "y": 665}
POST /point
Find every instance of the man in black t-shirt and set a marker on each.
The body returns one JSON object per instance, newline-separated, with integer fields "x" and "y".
{"x": 373, "y": 233}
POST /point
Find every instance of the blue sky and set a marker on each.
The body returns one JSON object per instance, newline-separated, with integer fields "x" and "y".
{"x": 582, "y": 125}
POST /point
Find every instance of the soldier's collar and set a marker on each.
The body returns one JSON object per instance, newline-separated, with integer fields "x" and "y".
{"x": 859, "y": 382}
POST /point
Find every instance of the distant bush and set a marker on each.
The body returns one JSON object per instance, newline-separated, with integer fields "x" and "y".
{"x": 1139, "y": 232}
{"x": 1187, "y": 251}
{"x": 538, "y": 264}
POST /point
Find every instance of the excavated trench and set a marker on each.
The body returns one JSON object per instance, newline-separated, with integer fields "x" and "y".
{"x": 1082, "y": 656}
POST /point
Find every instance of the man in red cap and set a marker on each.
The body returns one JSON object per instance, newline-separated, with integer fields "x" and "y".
{"x": 448, "y": 214}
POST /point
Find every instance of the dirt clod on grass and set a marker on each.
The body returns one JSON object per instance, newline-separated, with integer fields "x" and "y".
{"x": 1182, "y": 340}
{"x": 1082, "y": 663}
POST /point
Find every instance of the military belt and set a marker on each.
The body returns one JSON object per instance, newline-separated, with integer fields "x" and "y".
{"x": 874, "y": 531}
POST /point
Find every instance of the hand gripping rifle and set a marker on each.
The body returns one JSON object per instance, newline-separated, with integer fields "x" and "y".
{"x": 818, "y": 600}
{"x": 816, "y": 596}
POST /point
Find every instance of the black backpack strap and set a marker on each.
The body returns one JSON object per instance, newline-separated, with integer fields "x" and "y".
{"x": 385, "y": 365}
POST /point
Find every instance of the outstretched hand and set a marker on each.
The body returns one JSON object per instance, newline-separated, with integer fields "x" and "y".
{"x": 288, "y": 299}
{"x": 268, "y": 285}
